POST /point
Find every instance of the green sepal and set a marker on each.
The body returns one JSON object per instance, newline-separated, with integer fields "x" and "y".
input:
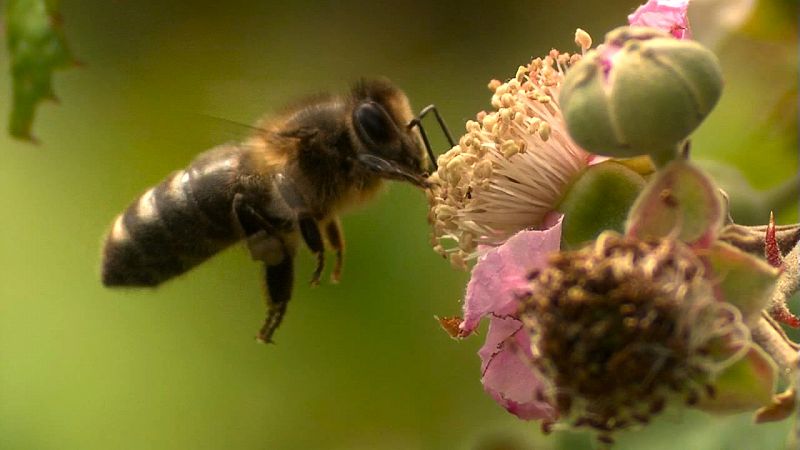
{"x": 680, "y": 202}
{"x": 598, "y": 200}
{"x": 584, "y": 104}
{"x": 745, "y": 385}
{"x": 742, "y": 279}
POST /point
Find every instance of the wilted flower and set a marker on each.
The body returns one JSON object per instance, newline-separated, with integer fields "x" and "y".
{"x": 624, "y": 327}
{"x": 511, "y": 168}
{"x": 628, "y": 324}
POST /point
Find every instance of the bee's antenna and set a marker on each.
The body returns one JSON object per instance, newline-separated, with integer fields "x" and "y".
{"x": 417, "y": 122}
{"x": 234, "y": 122}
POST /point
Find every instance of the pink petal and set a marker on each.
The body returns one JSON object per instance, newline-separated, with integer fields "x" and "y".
{"x": 507, "y": 373}
{"x": 667, "y": 15}
{"x": 501, "y": 276}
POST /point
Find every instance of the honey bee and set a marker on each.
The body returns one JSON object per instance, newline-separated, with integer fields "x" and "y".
{"x": 288, "y": 181}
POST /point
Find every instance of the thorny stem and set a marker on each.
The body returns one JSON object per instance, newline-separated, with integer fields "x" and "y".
{"x": 788, "y": 284}
{"x": 751, "y": 238}
{"x": 767, "y": 332}
{"x": 769, "y": 335}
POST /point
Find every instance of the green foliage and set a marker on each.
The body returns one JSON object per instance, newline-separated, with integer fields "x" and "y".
{"x": 38, "y": 47}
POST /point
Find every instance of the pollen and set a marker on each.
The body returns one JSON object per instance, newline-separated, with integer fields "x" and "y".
{"x": 510, "y": 168}
{"x": 583, "y": 39}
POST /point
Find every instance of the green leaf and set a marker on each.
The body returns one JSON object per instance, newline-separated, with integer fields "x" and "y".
{"x": 745, "y": 385}
{"x": 599, "y": 200}
{"x": 680, "y": 202}
{"x": 743, "y": 280}
{"x": 37, "y": 46}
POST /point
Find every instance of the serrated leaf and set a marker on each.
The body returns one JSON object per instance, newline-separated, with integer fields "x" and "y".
{"x": 37, "y": 46}
{"x": 681, "y": 202}
{"x": 745, "y": 385}
{"x": 742, "y": 279}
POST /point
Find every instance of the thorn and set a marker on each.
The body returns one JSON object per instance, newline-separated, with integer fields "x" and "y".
{"x": 771, "y": 250}
{"x": 782, "y": 314}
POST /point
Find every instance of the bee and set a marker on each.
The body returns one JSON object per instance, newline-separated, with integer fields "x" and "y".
{"x": 287, "y": 182}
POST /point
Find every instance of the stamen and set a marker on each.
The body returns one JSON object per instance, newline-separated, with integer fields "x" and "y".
{"x": 511, "y": 167}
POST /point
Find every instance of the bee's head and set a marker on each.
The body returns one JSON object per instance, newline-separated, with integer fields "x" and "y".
{"x": 381, "y": 116}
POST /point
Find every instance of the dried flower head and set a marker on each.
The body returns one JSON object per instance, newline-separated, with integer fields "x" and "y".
{"x": 623, "y": 327}
{"x": 511, "y": 168}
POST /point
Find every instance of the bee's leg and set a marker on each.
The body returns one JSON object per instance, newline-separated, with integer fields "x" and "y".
{"x": 276, "y": 250}
{"x": 333, "y": 232}
{"x": 279, "y": 279}
{"x": 309, "y": 229}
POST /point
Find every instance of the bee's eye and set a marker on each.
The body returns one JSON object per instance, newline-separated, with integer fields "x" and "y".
{"x": 373, "y": 121}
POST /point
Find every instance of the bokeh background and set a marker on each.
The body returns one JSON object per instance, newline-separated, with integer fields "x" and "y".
{"x": 361, "y": 365}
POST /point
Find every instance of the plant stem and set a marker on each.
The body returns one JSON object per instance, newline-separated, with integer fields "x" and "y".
{"x": 769, "y": 335}
{"x": 751, "y": 238}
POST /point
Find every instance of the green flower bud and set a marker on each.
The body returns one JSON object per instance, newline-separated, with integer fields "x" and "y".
{"x": 642, "y": 92}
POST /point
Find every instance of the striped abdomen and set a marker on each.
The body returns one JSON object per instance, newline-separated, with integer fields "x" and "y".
{"x": 177, "y": 224}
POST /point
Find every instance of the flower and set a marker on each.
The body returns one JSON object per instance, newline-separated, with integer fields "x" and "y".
{"x": 512, "y": 167}
{"x": 666, "y": 15}
{"x": 609, "y": 335}
{"x": 624, "y": 327}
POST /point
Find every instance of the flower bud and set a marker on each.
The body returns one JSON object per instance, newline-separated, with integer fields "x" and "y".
{"x": 642, "y": 92}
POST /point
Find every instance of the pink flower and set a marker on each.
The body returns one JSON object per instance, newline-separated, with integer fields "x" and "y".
{"x": 498, "y": 280}
{"x": 507, "y": 174}
{"x": 666, "y": 15}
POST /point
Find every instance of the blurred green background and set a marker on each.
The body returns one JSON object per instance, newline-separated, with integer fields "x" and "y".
{"x": 361, "y": 365}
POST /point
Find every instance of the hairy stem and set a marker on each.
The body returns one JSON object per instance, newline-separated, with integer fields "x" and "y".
{"x": 769, "y": 335}
{"x": 751, "y": 238}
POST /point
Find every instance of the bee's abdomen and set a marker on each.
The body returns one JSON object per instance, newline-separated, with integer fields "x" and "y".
{"x": 174, "y": 226}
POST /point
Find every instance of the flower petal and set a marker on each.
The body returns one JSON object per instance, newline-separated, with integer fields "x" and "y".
{"x": 667, "y": 15}
{"x": 501, "y": 275}
{"x": 507, "y": 376}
